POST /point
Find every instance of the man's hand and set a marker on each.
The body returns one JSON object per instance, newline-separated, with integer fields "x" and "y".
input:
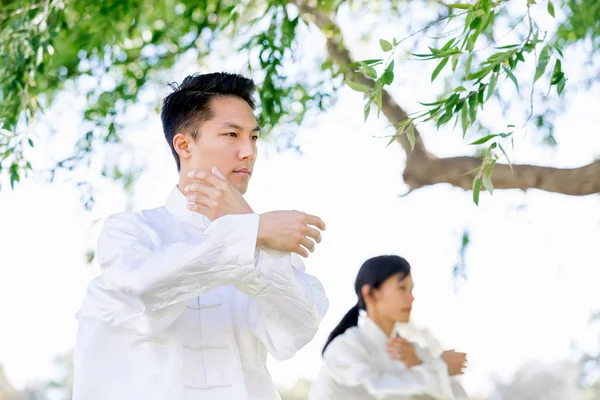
{"x": 212, "y": 195}
{"x": 290, "y": 231}
{"x": 402, "y": 350}
{"x": 456, "y": 362}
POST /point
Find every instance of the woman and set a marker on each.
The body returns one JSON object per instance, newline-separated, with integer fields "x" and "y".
{"x": 385, "y": 357}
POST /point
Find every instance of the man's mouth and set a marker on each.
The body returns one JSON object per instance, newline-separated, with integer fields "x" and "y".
{"x": 243, "y": 171}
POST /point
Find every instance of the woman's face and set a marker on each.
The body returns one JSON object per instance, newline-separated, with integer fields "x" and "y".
{"x": 394, "y": 298}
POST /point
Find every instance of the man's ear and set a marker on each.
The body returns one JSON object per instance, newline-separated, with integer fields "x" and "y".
{"x": 181, "y": 144}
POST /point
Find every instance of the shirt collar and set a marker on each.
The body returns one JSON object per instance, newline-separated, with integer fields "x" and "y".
{"x": 373, "y": 331}
{"x": 177, "y": 205}
{"x": 405, "y": 330}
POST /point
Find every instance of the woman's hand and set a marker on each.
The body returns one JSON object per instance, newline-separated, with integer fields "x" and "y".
{"x": 456, "y": 362}
{"x": 404, "y": 351}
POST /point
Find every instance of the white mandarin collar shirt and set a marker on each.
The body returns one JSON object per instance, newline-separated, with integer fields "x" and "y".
{"x": 187, "y": 309}
{"x": 357, "y": 366}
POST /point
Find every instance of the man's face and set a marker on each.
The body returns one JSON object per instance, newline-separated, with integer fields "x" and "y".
{"x": 227, "y": 141}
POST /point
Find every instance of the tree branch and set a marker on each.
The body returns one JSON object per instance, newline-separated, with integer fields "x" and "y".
{"x": 341, "y": 55}
{"x": 420, "y": 172}
{"x": 424, "y": 169}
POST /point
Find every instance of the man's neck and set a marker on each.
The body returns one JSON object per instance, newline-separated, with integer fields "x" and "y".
{"x": 183, "y": 180}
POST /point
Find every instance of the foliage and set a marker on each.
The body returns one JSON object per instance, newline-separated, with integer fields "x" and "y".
{"x": 113, "y": 50}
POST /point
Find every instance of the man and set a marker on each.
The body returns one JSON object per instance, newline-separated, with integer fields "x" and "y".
{"x": 193, "y": 295}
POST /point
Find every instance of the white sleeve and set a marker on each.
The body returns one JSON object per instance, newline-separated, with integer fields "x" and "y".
{"x": 348, "y": 364}
{"x": 286, "y": 304}
{"x": 154, "y": 283}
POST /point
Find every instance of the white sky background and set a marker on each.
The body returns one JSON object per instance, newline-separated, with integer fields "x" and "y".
{"x": 532, "y": 265}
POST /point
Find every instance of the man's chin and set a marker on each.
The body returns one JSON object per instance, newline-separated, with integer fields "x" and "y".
{"x": 241, "y": 187}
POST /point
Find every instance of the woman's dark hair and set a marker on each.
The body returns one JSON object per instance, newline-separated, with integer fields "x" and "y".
{"x": 190, "y": 102}
{"x": 373, "y": 272}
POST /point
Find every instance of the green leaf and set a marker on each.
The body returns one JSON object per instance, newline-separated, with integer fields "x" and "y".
{"x": 488, "y": 21}
{"x": 433, "y": 104}
{"x": 410, "y": 134}
{"x": 30, "y": 142}
{"x": 452, "y": 100}
{"x": 460, "y": 105}
{"x": 475, "y": 24}
{"x": 557, "y": 69}
{"x": 359, "y": 87}
{"x": 485, "y": 4}
{"x": 459, "y": 89}
{"x": 400, "y": 130}
{"x": 424, "y": 56}
{"x": 367, "y": 62}
{"x": 512, "y": 77}
{"x": 542, "y": 63}
{"x": 455, "y": 61}
{"x": 371, "y": 73}
{"x": 439, "y": 68}
{"x": 459, "y": 6}
{"x": 561, "y": 86}
{"x": 505, "y": 155}
{"x": 551, "y": 8}
{"x": 483, "y": 139}
{"x": 388, "y": 75}
{"x": 385, "y": 45}
{"x": 472, "y": 108}
{"x": 471, "y": 43}
{"x": 379, "y": 99}
{"x": 445, "y": 118}
{"x": 480, "y": 74}
{"x": 508, "y": 46}
{"x": 468, "y": 65}
{"x": 487, "y": 183}
{"x": 434, "y": 51}
{"x": 447, "y": 45}
{"x": 464, "y": 116}
{"x": 392, "y": 139}
{"x": 476, "y": 189}
{"x": 367, "y": 109}
{"x": 558, "y": 50}
{"x": 520, "y": 56}
{"x": 492, "y": 85}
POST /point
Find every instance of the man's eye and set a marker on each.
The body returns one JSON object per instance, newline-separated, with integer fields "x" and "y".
{"x": 232, "y": 134}
{"x": 255, "y": 138}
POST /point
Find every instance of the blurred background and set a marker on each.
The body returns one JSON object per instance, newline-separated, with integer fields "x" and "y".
{"x": 463, "y": 142}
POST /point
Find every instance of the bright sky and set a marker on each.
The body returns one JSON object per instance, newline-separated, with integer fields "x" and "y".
{"x": 532, "y": 266}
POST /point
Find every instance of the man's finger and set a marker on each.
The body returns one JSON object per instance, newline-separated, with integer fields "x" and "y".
{"x": 301, "y": 251}
{"x": 198, "y": 187}
{"x": 218, "y": 174}
{"x": 315, "y": 221}
{"x": 308, "y": 244}
{"x": 313, "y": 233}
{"x": 208, "y": 177}
{"x": 202, "y": 200}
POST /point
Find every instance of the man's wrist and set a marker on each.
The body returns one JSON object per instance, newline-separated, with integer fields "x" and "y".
{"x": 260, "y": 238}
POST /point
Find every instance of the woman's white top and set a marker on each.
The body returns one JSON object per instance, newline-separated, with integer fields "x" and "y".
{"x": 357, "y": 366}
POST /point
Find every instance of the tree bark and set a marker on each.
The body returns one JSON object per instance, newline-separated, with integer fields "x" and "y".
{"x": 425, "y": 169}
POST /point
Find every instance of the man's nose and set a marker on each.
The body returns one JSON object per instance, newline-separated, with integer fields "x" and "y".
{"x": 248, "y": 150}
